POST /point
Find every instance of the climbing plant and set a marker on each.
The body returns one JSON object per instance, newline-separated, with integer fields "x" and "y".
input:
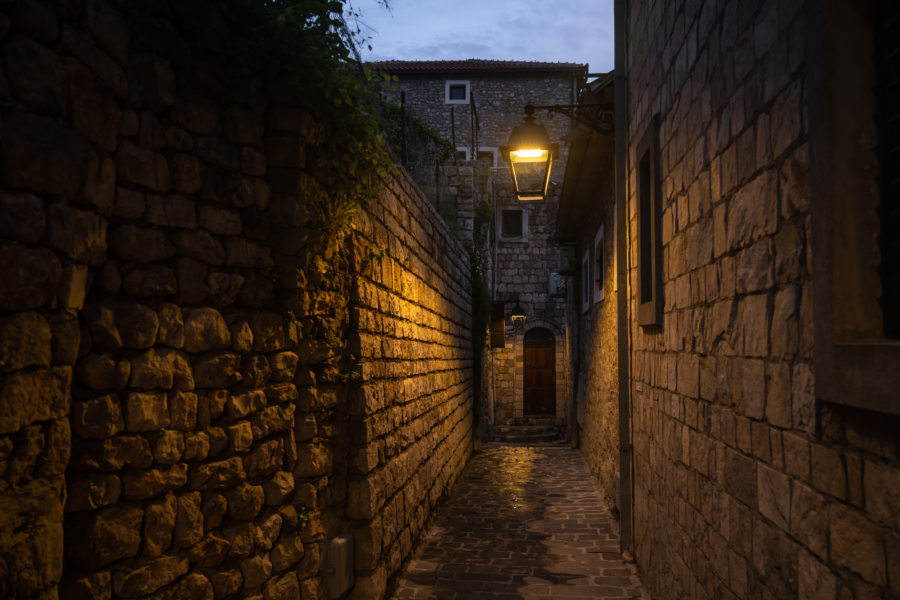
{"x": 312, "y": 38}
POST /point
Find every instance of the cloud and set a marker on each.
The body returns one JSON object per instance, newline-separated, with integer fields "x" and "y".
{"x": 566, "y": 31}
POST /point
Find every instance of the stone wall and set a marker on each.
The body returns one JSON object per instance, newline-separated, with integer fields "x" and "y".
{"x": 412, "y": 411}
{"x": 180, "y": 315}
{"x": 593, "y": 327}
{"x": 745, "y": 485}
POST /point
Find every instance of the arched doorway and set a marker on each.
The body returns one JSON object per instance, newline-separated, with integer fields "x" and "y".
{"x": 539, "y": 373}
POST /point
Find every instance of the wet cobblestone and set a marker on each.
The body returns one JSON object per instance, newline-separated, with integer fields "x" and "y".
{"x": 524, "y": 523}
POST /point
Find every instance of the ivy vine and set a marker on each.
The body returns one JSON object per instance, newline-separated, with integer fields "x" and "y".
{"x": 312, "y": 39}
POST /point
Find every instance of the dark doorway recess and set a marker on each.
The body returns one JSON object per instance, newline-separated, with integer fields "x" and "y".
{"x": 540, "y": 373}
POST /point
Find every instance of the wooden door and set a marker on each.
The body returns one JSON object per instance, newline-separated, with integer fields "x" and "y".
{"x": 540, "y": 373}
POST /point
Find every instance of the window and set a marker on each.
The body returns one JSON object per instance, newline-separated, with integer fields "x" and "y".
{"x": 456, "y": 92}
{"x": 586, "y": 285}
{"x": 857, "y": 357}
{"x": 462, "y": 153}
{"x": 512, "y": 223}
{"x": 491, "y": 154}
{"x": 649, "y": 198}
{"x": 498, "y": 325}
{"x": 599, "y": 271}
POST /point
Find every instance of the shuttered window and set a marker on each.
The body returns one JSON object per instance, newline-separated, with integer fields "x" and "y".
{"x": 888, "y": 73}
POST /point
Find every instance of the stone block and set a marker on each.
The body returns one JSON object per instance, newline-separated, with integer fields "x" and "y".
{"x": 816, "y": 581}
{"x": 30, "y": 276}
{"x": 188, "y": 521}
{"x": 741, "y": 478}
{"x": 809, "y": 518}
{"x": 287, "y": 552}
{"x": 240, "y": 436}
{"x": 146, "y": 411}
{"x": 205, "y": 329}
{"x": 754, "y": 268}
{"x": 882, "y": 493}
{"x": 159, "y": 523}
{"x": 265, "y": 459}
{"x": 752, "y": 399}
{"x": 278, "y": 487}
{"x": 168, "y": 447}
{"x": 803, "y": 398}
{"x": 216, "y": 370}
{"x": 774, "y": 495}
{"x": 193, "y": 586}
{"x": 256, "y": 571}
{"x": 274, "y": 419}
{"x": 255, "y": 370}
{"x": 171, "y": 211}
{"x": 152, "y": 370}
{"x": 140, "y": 244}
{"x": 153, "y": 82}
{"x": 196, "y": 446}
{"x": 209, "y": 552}
{"x": 226, "y": 583}
{"x": 828, "y": 473}
{"x": 97, "y": 418}
{"x": 39, "y": 155}
{"x": 108, "y": 27}
{"x": 88, "y": 491}
{"x": 129, "y": 203}
{"x": 283, "y": 365}
{"x": 21, "y": 217}
{"x": 39, "y": 395}
{"x": 171, "y": 325}
{"x": 24, "y": 341}
{"x": 219, "y": 221}
{"x": 147, "y": 577}
{"x": 37, "y": 75}
{"x": 66, "y": 337}
{"x": 245, "y": 501}
{"x": 240, "y": 406}
{"x": 856, "y": 543}
{"x": 753, "y": 212}
{"x": 152, "y": 280}
{"x": 96, "y": 115}
{"x": 98, "y": 538}
{"x": 218, "y": 475}
{"x": 185, "y": 171}
{"x": 153, "y": 482}
{"x": 191, "y": 281}
{"x": 142, "y": 167}
{"x": 282, "y": 588}
{"x": 268, "y": 332}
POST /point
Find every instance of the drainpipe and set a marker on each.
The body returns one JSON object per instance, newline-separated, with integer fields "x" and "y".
{"x": 625, "y": 493}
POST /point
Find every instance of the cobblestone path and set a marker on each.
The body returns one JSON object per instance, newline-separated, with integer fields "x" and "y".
{"x": 524, "y": 523}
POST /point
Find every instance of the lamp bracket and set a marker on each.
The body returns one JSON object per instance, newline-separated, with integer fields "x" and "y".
{"x": 597, "y": 116}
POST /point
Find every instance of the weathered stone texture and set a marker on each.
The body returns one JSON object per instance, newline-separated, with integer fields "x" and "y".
{"x": 745, "y": 486}
{"x": 175, "y": 368}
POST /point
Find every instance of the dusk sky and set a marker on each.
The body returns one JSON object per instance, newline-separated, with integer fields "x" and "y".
{"x": 579, "y": 31}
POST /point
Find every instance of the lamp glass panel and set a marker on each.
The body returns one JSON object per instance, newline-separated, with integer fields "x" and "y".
{"x": 530, "y": 168}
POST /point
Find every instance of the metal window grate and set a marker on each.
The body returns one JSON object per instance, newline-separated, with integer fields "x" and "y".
{"x": 887, "y": 33}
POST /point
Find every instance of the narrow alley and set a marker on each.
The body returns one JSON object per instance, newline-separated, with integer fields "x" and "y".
{"x": 524, "y": 522}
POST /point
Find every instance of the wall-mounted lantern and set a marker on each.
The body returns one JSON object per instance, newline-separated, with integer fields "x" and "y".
{"x": 517, "y": 316}
{"x": 530, "y": 155}
{"x": 530, "y": 152}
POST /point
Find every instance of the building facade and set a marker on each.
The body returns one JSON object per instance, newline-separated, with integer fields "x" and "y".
{"x": 758, "y": 357}
{"x": 476, "y": 104}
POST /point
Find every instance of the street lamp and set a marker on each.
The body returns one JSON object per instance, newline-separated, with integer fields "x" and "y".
{"x": 517, "y": 316}
{"x": 530, "y": 152}
{"x": 530, "y": 155}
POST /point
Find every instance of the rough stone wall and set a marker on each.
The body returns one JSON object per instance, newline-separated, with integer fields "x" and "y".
{"x": 412, "y": 412}
{"x": 521, "y": 268}
{"x": 739, "y": 492}
{"x": 596, "y": 391}
{"x": 177, "y": 314}
{"x": 500, "y": 101}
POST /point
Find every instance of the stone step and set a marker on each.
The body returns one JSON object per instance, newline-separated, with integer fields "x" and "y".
{"x": 527, "y": 434}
